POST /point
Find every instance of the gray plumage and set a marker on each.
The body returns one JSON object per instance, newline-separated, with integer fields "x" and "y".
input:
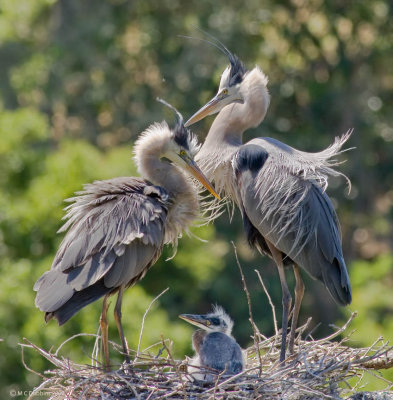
{"x": 115, "y": 232}
{"x": 214, "y": 345}
{"x": 222, "y": 353}
{"x": 279, "y": 190}
{"x": 286, "y": 202}
{"x": 116, "y": 229}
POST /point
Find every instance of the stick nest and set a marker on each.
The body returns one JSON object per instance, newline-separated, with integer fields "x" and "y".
{"x": 319, "y": 369}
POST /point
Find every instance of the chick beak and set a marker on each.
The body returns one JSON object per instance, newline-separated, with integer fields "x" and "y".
{"x": 195, "y": 319}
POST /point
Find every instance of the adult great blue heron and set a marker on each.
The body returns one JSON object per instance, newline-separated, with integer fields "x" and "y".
{"x": 279, "y": 190}
{"x": 214, "y": 346}
{"x": 116, "y": 229}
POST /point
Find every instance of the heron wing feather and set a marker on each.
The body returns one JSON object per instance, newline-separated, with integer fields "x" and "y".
{"x": 95, "y": 225}
{"x": 219, "y": 351}
{"x": 53, "y": 290}
{"x": 285, "y": 201}
{"x": 130, "y": 267}
{"x": 115, "y": 230}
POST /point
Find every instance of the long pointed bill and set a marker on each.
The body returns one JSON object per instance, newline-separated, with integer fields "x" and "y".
{"x": 212, "y": 107}
{"x": 194, "y": 319}
{"x": 194, "y": 170}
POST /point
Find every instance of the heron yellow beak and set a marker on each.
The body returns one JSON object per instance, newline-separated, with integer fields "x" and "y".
{"x": 211, "y": 107}
{"x": 194, "y": 170}
{"x": 216, "y": 104}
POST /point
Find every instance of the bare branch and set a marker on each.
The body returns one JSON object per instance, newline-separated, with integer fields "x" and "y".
{"x": 144, "y": 317}
{"x": 270, "y": 301}
{"x": 254, "y": 327}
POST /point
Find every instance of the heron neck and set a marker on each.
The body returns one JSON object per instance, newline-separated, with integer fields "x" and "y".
{"x": 226, "y": 130}
{"x": 226, "y": 136}
{"x": 215, "y": 156}
{"x": 164, "y": 174}
{"x": 184, "y": 204}
{"x": 223, "y": 139}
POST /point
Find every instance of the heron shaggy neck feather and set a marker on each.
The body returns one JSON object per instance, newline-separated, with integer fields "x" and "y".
{"x": 149, "y": 150}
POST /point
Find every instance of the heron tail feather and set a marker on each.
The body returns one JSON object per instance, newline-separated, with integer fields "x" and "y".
{"x": 77, "y": 302}
{"x": 337, "y": 282}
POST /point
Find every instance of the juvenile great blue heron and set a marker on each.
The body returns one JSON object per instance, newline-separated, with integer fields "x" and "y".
{"x": 279, "y": 190}
{"x": 214, "y": 346}
{"x": 116, "y": 229}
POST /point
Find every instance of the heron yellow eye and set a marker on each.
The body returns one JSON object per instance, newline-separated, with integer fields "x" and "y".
{"x": 225, "y": 91}
{"x": 183, "y": 153}
{"x": 208, "y": 323}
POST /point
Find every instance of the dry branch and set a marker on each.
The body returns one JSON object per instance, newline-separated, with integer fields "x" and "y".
{"x": 320, "y": 369}
{"x": 255, "y": 329}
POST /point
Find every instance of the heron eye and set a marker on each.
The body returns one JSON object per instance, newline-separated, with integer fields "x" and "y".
{"x": 225, "y": 91}
{"x": 208, "y": 323}
{"x": 183, "y": 153}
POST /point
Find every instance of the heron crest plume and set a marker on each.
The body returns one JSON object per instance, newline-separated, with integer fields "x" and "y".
{"x": 237, "y": 72}
{"x": 237, "y": 68}
{"x": 181, "y": 135}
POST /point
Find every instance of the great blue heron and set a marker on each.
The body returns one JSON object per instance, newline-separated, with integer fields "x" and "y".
{"x": 279, "y": 190}
{"x": 116, "y": 229}
{"x": 214, "y": 345}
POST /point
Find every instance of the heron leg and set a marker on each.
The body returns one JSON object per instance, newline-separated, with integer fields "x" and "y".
{"x": 299, "y": 292}
{"x": 104, "y": 331}
{"x": 117, "y": 314}
{"x": 286, "y": 296}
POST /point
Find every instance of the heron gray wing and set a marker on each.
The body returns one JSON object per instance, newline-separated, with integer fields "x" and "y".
{"x": 237, "y": 364}
{"x": 109, "y": 213}
{"x": 115, "y": 231}
{"x": 289, "y": 207}
{"x": 133, "y": 265}
{"x": 219, "y": 351}
{"x": 53, "y": 290}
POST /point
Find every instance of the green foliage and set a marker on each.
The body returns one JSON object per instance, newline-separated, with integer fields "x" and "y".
{"x": 22, "y": 134}
{"x": 16, "y": 20}
{"x": 372, "y": 283}
{"x": 78, "y": 82}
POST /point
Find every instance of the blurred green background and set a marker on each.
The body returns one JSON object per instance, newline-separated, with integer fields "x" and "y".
{"x": 78, "y": 82}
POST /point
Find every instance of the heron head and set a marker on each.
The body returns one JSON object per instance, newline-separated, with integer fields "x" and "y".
{"x": 216, "y": 321}
{"x": 228, "y": 92}
{"x": 180, "y": 149}
{"x": 236, "y": 85}
{"x": 175, "y": 146}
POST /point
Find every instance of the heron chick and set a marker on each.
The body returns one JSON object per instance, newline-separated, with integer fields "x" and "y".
{"x": 214, "y": 345}
{"x": 116, "y": 228}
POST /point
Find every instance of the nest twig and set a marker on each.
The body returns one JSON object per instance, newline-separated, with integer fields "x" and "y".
{"x": 319, "y": 369}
